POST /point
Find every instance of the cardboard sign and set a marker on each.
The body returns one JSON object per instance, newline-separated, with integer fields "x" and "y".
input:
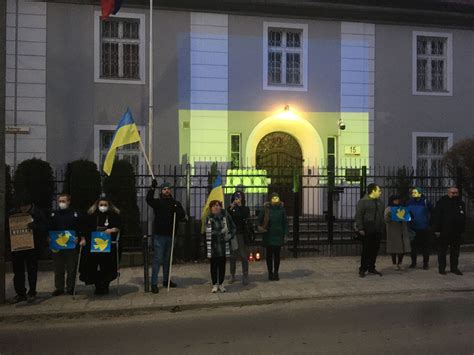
{"x": 100, "y": 242}
{"x": 60, "y": 240}
{"x": 400, "y": 214}
{"x": 21, "y": 237}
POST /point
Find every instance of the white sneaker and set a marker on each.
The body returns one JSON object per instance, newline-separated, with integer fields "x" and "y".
{"x": 214, "y": 288}
{"x": 222, "y": 288}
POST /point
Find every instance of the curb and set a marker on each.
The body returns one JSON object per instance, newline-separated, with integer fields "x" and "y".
{"x": 145, "y": 310}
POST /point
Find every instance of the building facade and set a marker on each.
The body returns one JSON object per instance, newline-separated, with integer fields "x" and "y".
{"x": 259, "y": 86}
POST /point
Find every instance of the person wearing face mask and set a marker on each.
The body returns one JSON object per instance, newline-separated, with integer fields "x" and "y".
{"x": 101, "y": 268}
{"x": 28, "y": 257}
{"x": 64, "y": 261}
{"x": 449, "y": 223}
{"x": 274, "y": 224}
{"x": 164, "y": 209}
{"x": 369, "y": 224}
{"x": 239, "y": 213}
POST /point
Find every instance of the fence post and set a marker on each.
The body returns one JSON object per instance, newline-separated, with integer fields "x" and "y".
{"x": 363, "y": 181}
{"x": 459, "y": 180}
{"x": 146, "y": 275}
{"x": 189, "y": 242}
{"x": 296, "y": 212}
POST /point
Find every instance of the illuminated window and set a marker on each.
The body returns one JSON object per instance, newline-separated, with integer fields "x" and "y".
{"x": 235, "y": 151}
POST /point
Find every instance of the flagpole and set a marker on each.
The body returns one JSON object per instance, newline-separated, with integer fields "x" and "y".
{"x": 147, "y": 160}
{"x": 150, "y": 91}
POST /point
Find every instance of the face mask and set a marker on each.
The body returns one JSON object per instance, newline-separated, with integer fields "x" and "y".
{"x": 275, "y": 200}
{"x": 63, "y": 205}
{"x": 375, "y": 194}
{"x": 103, "y": 209}
{"x": 415, "y": 194}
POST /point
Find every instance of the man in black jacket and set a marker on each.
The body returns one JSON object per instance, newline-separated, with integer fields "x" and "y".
{"x": 28, "y": 257}
{"x": 449, "y": 222}
{"x": 164, "y": 207}
{"x": 65, "y": 219}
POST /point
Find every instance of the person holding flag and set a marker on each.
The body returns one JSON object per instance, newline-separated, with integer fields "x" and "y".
{"x": 65, "y": 220}
{"x": 167, "y": 210}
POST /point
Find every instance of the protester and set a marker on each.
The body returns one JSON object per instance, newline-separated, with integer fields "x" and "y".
{"x": 28, "y": 257}
{"x": 220, "y": 229}
{"x": 449, "y": 222}
{"x": 398, "y": 239}
{"x": 420, "y": 209}
{"x": 101, "y": 268}
{"x": 369, "y": 224}
{"x": 65, "y": 219}
{"x": 164, "y": 207}
{"x": 240, "y": 214}
{"x": 274, "y": 224}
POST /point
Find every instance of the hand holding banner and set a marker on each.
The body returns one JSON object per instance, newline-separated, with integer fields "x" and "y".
{"x": 21, "y": 237}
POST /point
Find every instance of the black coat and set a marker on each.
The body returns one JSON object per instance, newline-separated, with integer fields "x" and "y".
{"x": 450, "y": 217}
{"x": 68, "y": 219}
{"x": 239, "y": 216}
{"x": 164, "y": 209}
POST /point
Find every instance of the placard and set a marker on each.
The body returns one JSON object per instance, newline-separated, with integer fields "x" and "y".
{"x": 61, "y": 240}
{"x": 400, "y": 214}
{"x": 21, "y": 237}
{"x": 100, "y": 242}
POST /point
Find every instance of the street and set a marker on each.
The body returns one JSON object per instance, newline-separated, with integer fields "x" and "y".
{"x": 403, "y": 324}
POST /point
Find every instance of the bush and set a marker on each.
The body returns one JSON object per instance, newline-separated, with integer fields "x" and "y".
{"x": 459, "y": 161}
{"x": 82, "y": 182}
{"x": 120, "y": 187}
{"x": 34, "y": 178}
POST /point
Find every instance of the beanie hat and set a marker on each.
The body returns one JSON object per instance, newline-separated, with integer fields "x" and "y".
{"x": 274, "y": 194}
{"x": 165, "y": 184}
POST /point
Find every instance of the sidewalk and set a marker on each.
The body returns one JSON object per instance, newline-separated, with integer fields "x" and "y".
{"x": 303, "y": 278}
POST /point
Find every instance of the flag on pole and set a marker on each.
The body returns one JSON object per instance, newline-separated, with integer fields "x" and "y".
{"x": 125, "y": 133}
{"x": 217, "y": 193}
{"x": 109, "y": 7}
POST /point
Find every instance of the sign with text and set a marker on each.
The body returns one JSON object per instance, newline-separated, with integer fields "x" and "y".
{"x": 352, "y": 150}
{"x": 21, "y": 237}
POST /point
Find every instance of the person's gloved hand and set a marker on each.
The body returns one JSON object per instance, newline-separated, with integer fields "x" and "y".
{"x": 154, "y": 184}
{"x": 31, "y": 225}
{"x": 224, "y": 230}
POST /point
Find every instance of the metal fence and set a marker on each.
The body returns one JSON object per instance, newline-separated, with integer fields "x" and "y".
{"x": 320, "y": 202}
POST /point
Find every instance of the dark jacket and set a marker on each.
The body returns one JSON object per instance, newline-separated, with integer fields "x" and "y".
{"x": 39, "y": 226}
{"x": 420, "y": 210}
{"x": 68, "y": 219}
{"x": 239, "y": 215}
{"x": 164, "y": 209}
{"x": 277, "y": 226}
{"x": 370, "y": 215}
{"x": 450, "y": 217}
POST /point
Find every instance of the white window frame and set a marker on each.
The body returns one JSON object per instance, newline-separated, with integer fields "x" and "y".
{"x": 304, "y": 58}
{"x": 141, "y": 50}
{"x": 449, "y": 64}
{"x": 98, "y": 128}
{"x": 416, "y": 135}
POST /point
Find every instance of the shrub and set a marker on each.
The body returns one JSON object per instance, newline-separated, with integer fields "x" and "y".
{"x": 82, "y": 182}
{"x": 34, "y": 178}
{"x": 459, "y": 161}
{"x": 120, "y": 187}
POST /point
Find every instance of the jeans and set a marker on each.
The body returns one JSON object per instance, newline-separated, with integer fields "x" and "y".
{"x": 242, "y": 253}
{"x": 218, "y": 270}
{"x": 161, "y": 257}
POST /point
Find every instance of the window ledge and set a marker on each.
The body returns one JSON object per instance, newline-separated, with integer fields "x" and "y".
{"x": 119, "y": 81}
{"x": 285, "y": 88}
{"x": 433, "y": 93}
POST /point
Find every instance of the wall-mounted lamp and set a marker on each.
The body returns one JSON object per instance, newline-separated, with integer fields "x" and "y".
{"x": 287, "y": 108}
{"x": 341, "y": 124}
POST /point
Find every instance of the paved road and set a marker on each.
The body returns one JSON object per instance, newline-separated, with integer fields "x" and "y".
{"x": 417, "y": 324}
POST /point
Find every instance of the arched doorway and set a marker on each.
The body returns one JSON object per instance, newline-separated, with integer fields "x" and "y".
{"x": 279, "y": 153}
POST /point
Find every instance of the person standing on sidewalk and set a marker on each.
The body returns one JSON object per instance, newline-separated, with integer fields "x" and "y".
{"x": 420, "y": 209}
{"x": 274, "y": 223}
{"x": 369, "y": 224}
{"x": 28, "y": 257}
{"x": 240, "y": 214}
{"x": 164, "y": 209}
{"x": 450, "y": 221}
{"x": 220, "y": 229}
{"x": 64, "y": 261}
{"x": 398, "y": 239}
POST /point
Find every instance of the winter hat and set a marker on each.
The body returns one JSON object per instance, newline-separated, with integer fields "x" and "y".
{"x": 392, "y": 198}
{"x": 238, "y": 194}
{"x": 274, "y": 194}
{"x": 164, "y": 185}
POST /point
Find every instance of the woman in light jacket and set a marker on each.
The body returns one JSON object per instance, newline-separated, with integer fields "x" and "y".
{"x": 398, "y": 239}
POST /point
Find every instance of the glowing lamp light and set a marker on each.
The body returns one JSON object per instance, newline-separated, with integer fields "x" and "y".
{"x": 257, "y": 256}
{"x": 287, "y": 114}
{"x": 251, "y": 257}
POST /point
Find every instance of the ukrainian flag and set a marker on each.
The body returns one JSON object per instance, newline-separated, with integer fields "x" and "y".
{"x": 217, "y": 193}
{"x": 125, "y": 133}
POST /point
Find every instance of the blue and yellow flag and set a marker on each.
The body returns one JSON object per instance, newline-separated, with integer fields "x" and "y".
{"x": 217, "y": 193}
{"x": 60, "y": 240}
{"x": 400, "y": 214}
{"x": 125, "y": 133}
{"x": 100, "y": 242}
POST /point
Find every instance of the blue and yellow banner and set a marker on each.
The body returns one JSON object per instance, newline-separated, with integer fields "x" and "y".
{"x": 400, "y": 214}
{"x": 125, "y": 133}
{"x": 100, "y": 242}
{"x": 61, "y": 240}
